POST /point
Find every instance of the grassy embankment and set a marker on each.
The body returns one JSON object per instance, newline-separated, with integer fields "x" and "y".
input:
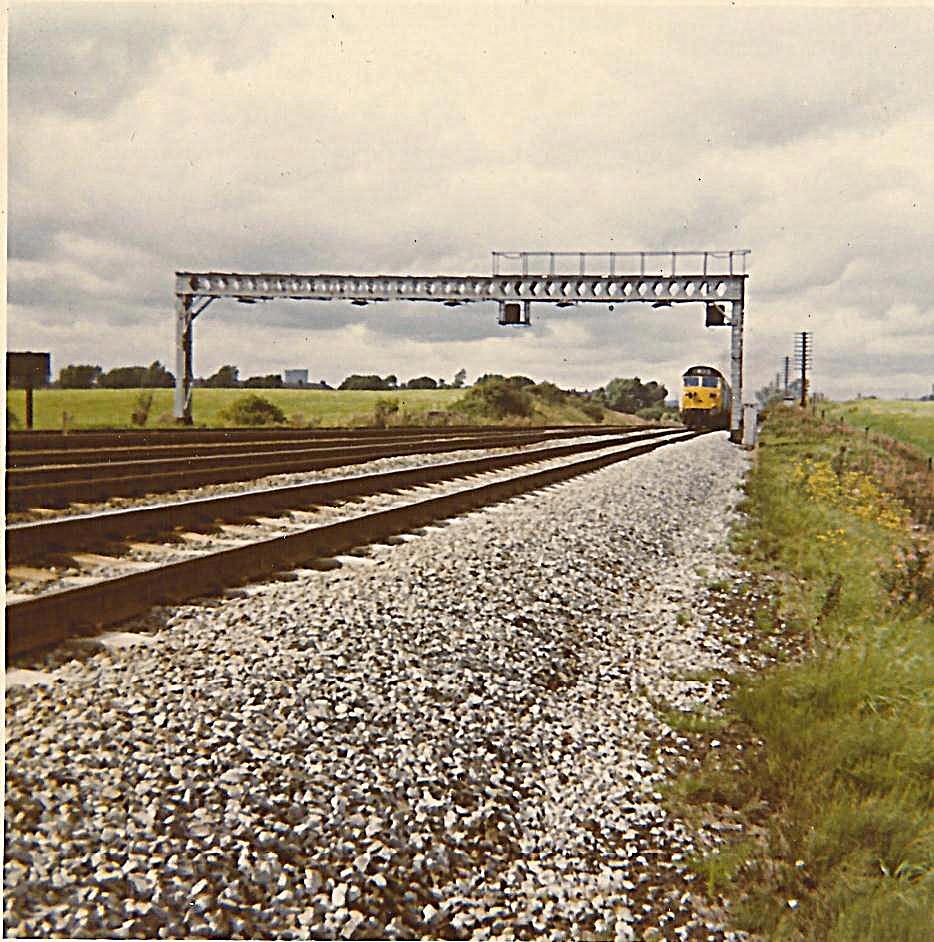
{"x": 112, "y": 408}
{"x": 911, "y": 422}
{"x": 838, "y": 791}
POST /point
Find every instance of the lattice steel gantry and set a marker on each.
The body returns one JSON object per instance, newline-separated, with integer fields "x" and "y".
{"x": 514, "y": 293}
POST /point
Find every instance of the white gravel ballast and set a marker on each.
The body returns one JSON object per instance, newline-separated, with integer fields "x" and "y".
{"x": 453, "y": 738}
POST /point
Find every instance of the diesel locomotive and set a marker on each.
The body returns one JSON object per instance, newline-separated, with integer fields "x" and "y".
{"x": 706, "y": 398}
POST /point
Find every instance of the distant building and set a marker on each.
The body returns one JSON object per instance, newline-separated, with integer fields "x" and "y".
{"x": 296, "y": 377}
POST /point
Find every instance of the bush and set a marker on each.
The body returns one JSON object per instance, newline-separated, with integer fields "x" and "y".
{"x": 593, "y": 410}
{"x": 301, "y": 420}
{"x": 382, "y": 410}
{"x": 497, "y": 399}
{"x": 548, "y": 393}
{"x": 652, "y": 413}
{"x": 252, "y": 410}
{"x": 140, "y": 414}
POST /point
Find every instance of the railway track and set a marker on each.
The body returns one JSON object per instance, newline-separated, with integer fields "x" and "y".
{"x": 265, "y": 546}
{"x": 46, "y": 472}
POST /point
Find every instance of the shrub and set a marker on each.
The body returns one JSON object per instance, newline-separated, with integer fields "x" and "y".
{"x": 382, "y": 410}
{"x": 252, "y": 410}
{"x": 140, "y": 414}
{"x": 548, "y": 393}
{"x": 652, "y": 413}
{"x": 593, "y": 410}
{"x": 496, "y": 399}
{"x": 301, "y": 420}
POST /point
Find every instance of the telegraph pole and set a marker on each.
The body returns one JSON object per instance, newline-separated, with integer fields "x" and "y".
{"x": 803, "y": 347}
{"x": 787, "y": 374}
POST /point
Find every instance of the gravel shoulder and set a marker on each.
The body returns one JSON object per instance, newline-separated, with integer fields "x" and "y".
{"x": 452, "y": 738}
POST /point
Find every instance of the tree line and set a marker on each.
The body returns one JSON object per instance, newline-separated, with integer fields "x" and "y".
{"x": 85, "y": 376}
{"x": 629, "y": 395}
{"x": 156, "y": 376}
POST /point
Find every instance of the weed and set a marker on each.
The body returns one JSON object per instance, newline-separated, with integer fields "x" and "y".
{"x": 382, "y": 410}
{"x": 694, "y": 723}
{"x": 718, "y": 868}
{"x": 142, "y": 408}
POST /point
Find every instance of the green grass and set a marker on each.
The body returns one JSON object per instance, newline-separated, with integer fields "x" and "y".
{"x": 843, "y": 784}
{"x": 910, "y": 422}
{"x": 719, "y": 868}
{"x": 112, "y": 408}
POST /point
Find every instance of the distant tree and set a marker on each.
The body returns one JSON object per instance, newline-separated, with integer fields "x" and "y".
{"x": 460, "y": 377}
{"x": 421, "y": 382}
{"x": 123, "y": 377}
{"x": 75, "y": 376}
{"x": 269, "y": 381}
{"x": 768, "y": 395}
{"x": 518, "y": 381}
{"x": 227, "y": 377}
{"x": 368, "y": 381}
{"x": 631, "y": 395}
{"x": 158, "y": 377}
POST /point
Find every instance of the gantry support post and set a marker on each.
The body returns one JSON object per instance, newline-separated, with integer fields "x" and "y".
{"x": 184, "y": 323}
{"x": 736, "y": 372}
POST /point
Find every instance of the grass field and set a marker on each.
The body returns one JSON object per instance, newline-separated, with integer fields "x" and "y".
{"x": 113, "y": 408}
{"x": 840, "y": 790}
{"x": 911, "y": 422}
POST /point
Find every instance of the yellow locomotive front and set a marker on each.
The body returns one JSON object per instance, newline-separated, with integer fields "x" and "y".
{"x": 705, "y": 398}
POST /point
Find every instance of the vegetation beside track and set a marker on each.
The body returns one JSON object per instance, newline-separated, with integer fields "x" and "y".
{"x": 835, "y": 780}
{"x": 113, "y": 408}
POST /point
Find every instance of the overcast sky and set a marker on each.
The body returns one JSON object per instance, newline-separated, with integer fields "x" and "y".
{"x": 416, "y": 139}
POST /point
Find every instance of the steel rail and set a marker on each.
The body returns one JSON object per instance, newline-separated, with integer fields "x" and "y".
{"x": 58, "y": 486}
{"x": 20, "y": 442}
{"x": 28, "y": 542}
{"x": 116, "y": 465}
{"x": 117, "y": 451}
{"x": 49, "y": 619}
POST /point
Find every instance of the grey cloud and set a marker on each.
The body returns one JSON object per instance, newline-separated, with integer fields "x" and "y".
{"x": 84, "y": 60}
{"x": 30, "y": 237}
{"x": 279, "y": 139}
{"x": 81, "y": 59}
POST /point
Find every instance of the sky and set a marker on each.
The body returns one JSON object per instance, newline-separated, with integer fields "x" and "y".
{"x": 415, "y": 139}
